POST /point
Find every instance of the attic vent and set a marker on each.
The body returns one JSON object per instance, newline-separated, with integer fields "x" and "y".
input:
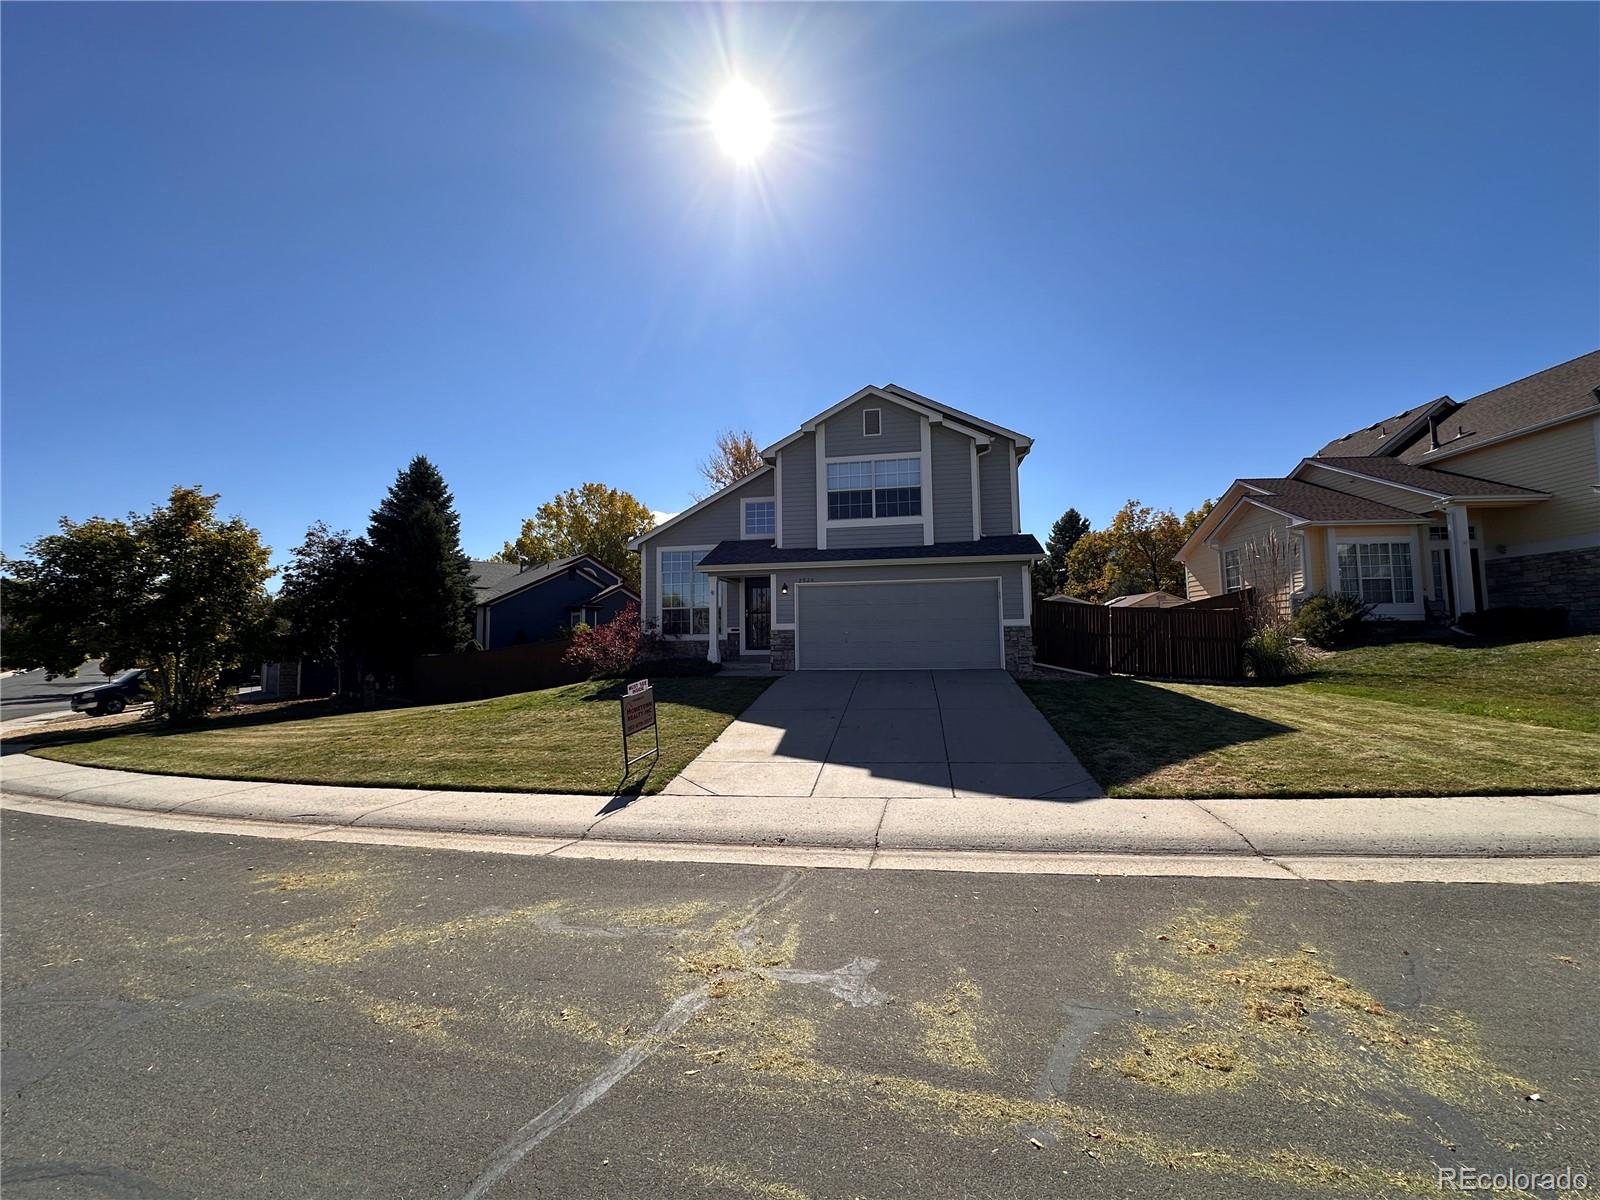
{"x": 871, "y": 422}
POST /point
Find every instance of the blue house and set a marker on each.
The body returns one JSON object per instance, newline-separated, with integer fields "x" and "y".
{"x": 528, "y": 604}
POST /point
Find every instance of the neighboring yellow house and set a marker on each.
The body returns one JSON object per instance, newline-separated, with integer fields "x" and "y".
{"x": 1445, "y": 509}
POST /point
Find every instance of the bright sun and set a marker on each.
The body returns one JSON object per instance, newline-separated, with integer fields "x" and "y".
{"x": 742, "y": 122}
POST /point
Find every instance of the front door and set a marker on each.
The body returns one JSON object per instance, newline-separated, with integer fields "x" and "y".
{"x": 758, "y": 614}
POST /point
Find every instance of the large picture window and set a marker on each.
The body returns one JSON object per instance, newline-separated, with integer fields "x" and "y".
{"x": 884, "y": 487}
{"x": 685, "y": 594}
{"x": 1377, "y": 572}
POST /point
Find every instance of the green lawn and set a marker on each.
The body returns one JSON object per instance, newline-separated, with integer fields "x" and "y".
{"x": 1403, "y": 719}
{"x": 565, "y": 739}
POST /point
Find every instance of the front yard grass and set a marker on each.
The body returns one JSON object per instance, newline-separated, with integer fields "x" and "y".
{"x": 1416, "y": 719}
{"x": 564, "y": 739}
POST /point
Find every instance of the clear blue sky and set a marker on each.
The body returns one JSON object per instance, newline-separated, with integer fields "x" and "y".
{"x": 279, "y": 249}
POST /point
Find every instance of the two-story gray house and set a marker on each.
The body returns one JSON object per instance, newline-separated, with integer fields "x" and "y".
{"x": 883, "y": 533}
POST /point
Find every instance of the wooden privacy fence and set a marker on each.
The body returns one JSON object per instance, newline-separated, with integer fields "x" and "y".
{"x": 1204, "y": 640}
{"x": 477, "y": 674}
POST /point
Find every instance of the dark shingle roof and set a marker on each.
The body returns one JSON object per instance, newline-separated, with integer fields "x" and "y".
{"x": 1558, "y": 392}
{"x": 750, "y": 553}
{"x": 492, "y": 580}
{"x": 1380, "y": 436}
{"x": 1312, "y": 503}
{"x": 1442, "y": 483}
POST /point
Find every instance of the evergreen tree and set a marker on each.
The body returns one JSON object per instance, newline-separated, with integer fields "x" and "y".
{"x": 417, "y": 580}
{"x": 1064, "y": 534}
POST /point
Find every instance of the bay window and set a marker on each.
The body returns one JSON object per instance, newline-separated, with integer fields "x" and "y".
{"x": 876, "y": 488}
{"x": 685, "y": 595}
{"x": 1377, "y": 572}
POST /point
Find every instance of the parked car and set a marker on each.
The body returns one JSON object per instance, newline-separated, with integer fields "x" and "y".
{"x": 111, "y": 698}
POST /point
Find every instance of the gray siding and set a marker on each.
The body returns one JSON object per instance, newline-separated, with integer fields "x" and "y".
{"x": 952, "y": 485}
{"x": 846, "y": 537}
{"x": 994, "y": 488}
{"x": 716, "y": 522}
{"x": 800, "y": 492}
{"x": 902, "y": 431}
{"x": 1010, "y": 573}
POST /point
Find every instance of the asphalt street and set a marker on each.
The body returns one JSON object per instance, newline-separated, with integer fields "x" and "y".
{"x": 30, "y": 694}
{"x": 193, "y": 1015}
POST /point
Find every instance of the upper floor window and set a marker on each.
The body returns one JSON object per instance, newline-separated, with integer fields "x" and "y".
{"x": 760, "y": 518}
{"x": 883, "y": 487}
{"x": 871, "y": 422}
{"x": 1232, "y": 573}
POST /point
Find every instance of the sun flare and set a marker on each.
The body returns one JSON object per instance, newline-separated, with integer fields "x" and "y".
{"x": 742, "y": 122}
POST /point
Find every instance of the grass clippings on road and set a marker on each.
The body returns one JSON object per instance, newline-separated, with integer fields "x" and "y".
{"x": 1418, "y": 719}
{"x": 564, "y": 739}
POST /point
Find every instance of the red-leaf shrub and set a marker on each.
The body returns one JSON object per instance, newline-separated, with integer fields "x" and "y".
{"x": 607, "y": 649}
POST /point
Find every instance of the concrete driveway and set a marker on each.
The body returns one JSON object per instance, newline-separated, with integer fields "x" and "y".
{"x": 890, "y": 734}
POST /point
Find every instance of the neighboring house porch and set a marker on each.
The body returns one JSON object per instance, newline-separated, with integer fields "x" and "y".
{"x": 1443, "y": 510}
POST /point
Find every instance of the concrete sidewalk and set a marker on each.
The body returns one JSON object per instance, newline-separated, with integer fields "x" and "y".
{"x": 1448, "y": 827}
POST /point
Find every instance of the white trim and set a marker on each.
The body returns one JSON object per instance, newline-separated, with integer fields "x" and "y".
{"x": 880, "y": 456}
{"x": 719, "y": 494}
{"x": 864, "y": 431}
{"x": 924, "y": 518}
{"x": 744, "y": 503}
{"x": 1451, "y": 450}
{"x": 777, "y": 504}
{"x": 817, "y": 422}
{"x": 1016, "y": 493}
{"x": 925, "y": 483}
{"x": 1597, "y": 454}
{"x": 684, "y": 637}
{"x": 1027, "y": 596}
{"x": 999, "y": 602}
{"x": 999, "y": 430}
{"x": 1415, "y": 609}
{"x": 821, "y": 487}
{"x": 978, "y": 439}
{"x": 944, "y": 560}
{"x": 977, "y": 503}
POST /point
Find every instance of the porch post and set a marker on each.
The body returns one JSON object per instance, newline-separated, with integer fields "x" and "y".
{"x": 1458, "y": 527}
{"x": 714, "y": 643}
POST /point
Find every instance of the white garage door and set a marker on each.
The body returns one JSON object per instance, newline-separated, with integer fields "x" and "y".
{"x": 947, "y": 623}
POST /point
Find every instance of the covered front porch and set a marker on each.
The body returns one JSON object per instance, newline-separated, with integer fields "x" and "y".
{"x": 741, "y": 617}
{"x": 1432, "y": 570}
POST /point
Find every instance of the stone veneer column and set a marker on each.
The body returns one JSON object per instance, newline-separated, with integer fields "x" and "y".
{"x": 1019, "y": 649}
{"x": 783, "y": 649}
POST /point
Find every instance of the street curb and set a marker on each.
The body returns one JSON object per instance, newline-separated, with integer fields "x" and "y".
{"x": 1521, "y": 870}
{"x": 1256, "y": 836}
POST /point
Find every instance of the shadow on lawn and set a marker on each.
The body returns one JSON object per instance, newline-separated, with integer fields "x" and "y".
{"x": 147, "y": 726}
{"x": 1124, "y": 729}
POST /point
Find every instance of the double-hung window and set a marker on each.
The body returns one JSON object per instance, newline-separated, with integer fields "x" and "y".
{"x": 881, "y": 487}
{"x": 1232, "y": 575}
{"x": 685, "y": 595}
{"x": 760, "y": 518}
{"x": 1377, "y": 572}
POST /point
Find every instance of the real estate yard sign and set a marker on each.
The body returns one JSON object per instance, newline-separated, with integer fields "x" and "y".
{"x": 638, "y": 714}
